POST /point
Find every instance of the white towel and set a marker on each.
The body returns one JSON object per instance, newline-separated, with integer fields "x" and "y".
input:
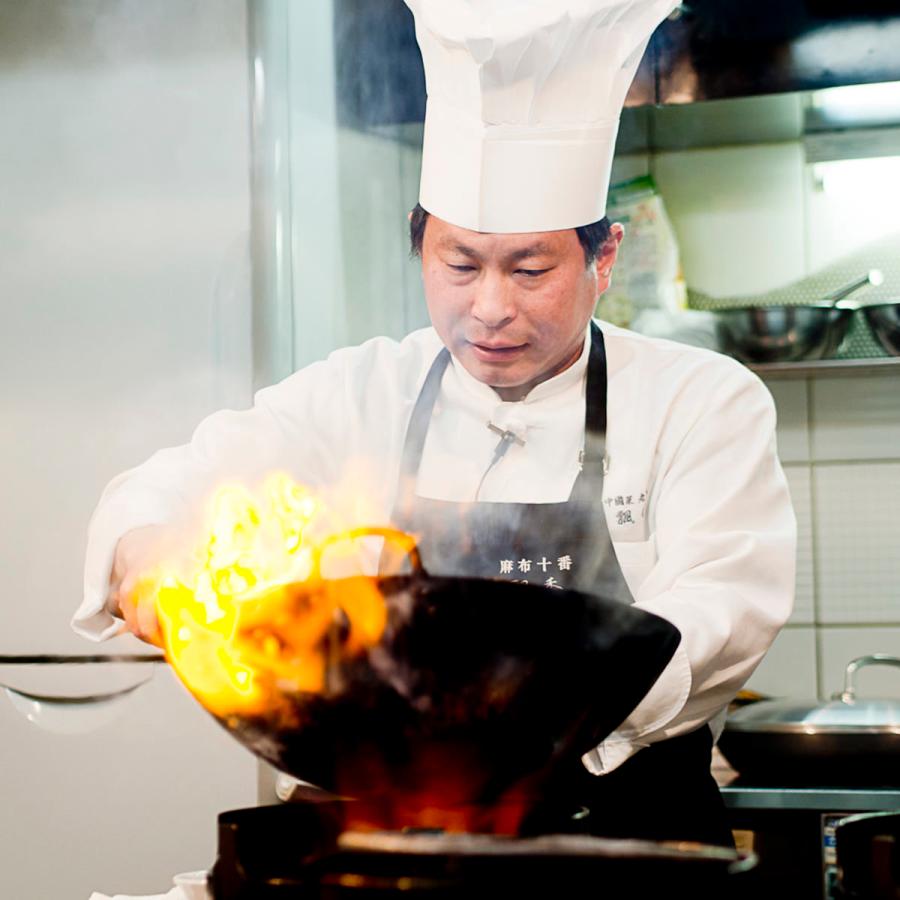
{"x": 188, "y": 886}
{"x": 175, "y": 894}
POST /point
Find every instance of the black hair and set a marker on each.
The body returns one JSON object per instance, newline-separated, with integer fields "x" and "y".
{"x": 592, "y": 237}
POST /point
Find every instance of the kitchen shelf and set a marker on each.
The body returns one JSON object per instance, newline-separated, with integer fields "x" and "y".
{"x": 830, "y": 367}
{"x": 826, "y": 799}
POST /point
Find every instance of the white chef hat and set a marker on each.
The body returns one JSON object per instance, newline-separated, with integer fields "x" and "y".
{"x": 524, "y": 98}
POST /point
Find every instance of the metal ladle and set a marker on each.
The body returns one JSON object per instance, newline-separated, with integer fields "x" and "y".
{"x": 873, "y": 277}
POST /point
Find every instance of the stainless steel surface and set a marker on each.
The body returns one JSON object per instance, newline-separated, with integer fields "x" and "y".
{"x": 731, "y": 48}
{"x": 270, "y": 213}
{"x": 18, "y": 672}
{"x": 848, "y": 694}
{"x": 74, "y": 694}
{"x": 79, "y": 700}
{"x": 884, "y": 320}
{"x": 828, "y": 367}
{"x": 874, "y": 277}
{"x": 781, "y": 333}
{"x": 844, "y": 712}
{"x": 43, "y": 659}
{"x": 823, "y": 798}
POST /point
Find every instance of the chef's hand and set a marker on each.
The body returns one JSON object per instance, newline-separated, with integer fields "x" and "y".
{"x": 137, "y": 552}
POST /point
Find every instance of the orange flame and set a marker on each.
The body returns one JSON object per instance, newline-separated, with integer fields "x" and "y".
{"x": 248, "y": 624}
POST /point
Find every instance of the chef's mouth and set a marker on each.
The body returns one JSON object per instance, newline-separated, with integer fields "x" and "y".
{"x": 497, "y": 352}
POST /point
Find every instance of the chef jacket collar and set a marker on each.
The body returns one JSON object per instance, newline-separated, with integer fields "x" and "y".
{"x": 552, "y": 387}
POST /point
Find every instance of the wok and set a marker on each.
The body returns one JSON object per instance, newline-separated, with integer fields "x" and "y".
{"x": 846, "y": 741}
{"x": 475, "y": 691}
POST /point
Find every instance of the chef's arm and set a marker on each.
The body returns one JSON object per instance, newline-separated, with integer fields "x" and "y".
{"x": 725, "y": 538}
{"x": 292, "y": 427}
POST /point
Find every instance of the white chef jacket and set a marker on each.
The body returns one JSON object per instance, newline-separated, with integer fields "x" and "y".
{"x": 709, "y": 543}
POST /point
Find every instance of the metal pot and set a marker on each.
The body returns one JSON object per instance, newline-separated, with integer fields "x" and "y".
{"x": 868, "y": 856}
{"x": 780, "y": 333}
{"x": 844, "y": 741}
{"x": 474, "y": 687}
{"x": 884, "y": 320}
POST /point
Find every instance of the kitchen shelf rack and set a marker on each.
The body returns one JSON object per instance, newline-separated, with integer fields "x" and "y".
{"x": 830, "y": 367}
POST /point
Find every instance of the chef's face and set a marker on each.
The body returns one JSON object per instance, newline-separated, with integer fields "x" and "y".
{"x": 512, "y": 308}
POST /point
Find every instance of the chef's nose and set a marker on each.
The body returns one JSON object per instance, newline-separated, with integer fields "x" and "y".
{"x": 493, "y": 304}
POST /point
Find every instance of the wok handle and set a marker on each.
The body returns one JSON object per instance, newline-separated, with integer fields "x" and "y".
{"x": 848, "y": 695}
{"x": 405, "y": 541}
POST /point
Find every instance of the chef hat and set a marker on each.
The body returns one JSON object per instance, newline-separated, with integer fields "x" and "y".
{"x": 524, "y": 98}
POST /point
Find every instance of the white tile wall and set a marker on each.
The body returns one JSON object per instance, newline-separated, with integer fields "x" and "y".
{"x": 839, "y": 645}
{"x": 798, "y": 477}
{"x": 790, "y": 398}
{"x": 789, "y": 668}
{"x": 855, "y": 418}
{"x": 858, "y": 542}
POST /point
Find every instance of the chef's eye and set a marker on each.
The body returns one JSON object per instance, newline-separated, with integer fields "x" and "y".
{"x": 531, "y": 273}
{"x": 461, "y": 268}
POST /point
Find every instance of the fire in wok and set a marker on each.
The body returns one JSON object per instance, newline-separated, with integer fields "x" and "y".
{"x": 433, "y": 701}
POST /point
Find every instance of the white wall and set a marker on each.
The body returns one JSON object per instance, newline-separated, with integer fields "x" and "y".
{"x": 751, "y": 219}
{"x": 839, "y": 439}
{"x": 124, "y": 217}
{"x": 125, "y": 319}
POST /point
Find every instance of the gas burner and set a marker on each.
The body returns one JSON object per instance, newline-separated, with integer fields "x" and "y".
{"x": 300, "y": 851}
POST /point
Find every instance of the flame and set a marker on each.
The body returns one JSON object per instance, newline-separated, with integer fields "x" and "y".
{"x": 441, "y": 789}
{"x": 250, "y": 621}
{"x": 250, "y": 625}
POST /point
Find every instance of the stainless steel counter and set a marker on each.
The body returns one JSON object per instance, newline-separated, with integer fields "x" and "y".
{"x": 826, "y": 799}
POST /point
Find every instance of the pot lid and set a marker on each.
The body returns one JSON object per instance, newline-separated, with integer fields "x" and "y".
{"x": 845, "y": 712}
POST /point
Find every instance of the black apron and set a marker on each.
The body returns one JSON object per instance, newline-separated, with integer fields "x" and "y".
{"x": 665, "y": 791}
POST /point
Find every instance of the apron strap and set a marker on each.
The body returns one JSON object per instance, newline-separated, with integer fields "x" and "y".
{"x": 417, "y": 430}
{"x": 595, "y": 404}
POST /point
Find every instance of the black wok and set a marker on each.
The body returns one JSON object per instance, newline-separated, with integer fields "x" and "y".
{"x": 476, "y": 690}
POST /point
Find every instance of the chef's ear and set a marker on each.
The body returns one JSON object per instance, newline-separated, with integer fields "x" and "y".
{"x": 606, "y": 256}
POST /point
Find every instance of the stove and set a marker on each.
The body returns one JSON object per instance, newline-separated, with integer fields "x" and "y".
{"x": 300, "y": 850}
{"x": 793, "y": 830}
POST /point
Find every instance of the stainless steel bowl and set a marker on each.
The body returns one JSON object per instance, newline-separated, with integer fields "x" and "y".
{"x": 763, "y": 334}
{"x": 782, "y": 333}
{"x": 884, "y": 320}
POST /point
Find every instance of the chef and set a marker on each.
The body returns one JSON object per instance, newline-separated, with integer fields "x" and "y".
{"x": 519, "y": 437}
